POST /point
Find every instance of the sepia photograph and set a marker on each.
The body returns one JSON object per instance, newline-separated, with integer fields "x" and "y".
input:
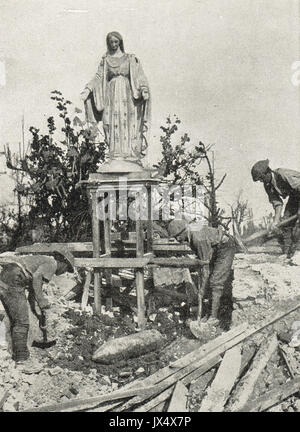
{"x": 150, "y": 209}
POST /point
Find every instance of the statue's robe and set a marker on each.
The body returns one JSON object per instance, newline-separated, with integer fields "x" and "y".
{"x": 105, "y": 104}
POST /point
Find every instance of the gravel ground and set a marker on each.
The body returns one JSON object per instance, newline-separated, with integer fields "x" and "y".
{"x": 264, "y": 284}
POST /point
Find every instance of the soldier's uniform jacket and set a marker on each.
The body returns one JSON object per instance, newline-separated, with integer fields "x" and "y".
{"x": 202, "y": 238}
{"x": 285, "y": 182}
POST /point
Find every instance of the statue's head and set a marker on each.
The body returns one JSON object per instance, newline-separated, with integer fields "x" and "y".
{"x": 113, "y": 41}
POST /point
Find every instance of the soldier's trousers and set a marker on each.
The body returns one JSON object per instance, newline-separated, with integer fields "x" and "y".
{"x": 290, "y": 237}
{"x": 221, "y": 266}
{"x": 16, "y": 306}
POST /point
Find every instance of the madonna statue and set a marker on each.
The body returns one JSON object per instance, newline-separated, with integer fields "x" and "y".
{"x": 119, "y": 96}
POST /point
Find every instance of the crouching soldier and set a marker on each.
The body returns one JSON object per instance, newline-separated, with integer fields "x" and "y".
{"x": 280, "y": 184}
{"x": 213, "y": 245}
{"x": 27, "y": 272}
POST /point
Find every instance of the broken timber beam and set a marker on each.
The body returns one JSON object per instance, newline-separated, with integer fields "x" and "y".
{"x": 177, "y": 262}
{"x": 162, "y": 397}
{"x": 246, "y": 385}
{"x": 79, "y": 247}
{"x": 200, "y": 384}
{"x": 179, "y": 398}
{"x": 289, "y": 361}
{"x": 212, "y": 346}
{"x": 238, "y": 339}
{"x": 84, "y": 404}
{"x": 111, "y": 262}
{"x": 3, "y": 399}
{"x": 138, "y": 262}
{"x": 219, "y": 391}
{"x": 198, "y": 363}
{"x": 246, "y": 359}
{"x": 85, "y": 294}
{"x": 167, "y": 371}
{"x": 273, "y": 397}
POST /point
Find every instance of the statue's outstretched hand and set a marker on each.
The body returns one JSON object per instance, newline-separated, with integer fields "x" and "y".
{"x": 84, "y": 94}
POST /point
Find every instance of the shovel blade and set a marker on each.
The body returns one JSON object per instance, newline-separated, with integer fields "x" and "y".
{"x": 195, "y": 327}
{"x": 43, "y": 344}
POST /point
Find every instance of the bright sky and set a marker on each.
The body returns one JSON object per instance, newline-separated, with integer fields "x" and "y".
{"x": 223, "y": 66}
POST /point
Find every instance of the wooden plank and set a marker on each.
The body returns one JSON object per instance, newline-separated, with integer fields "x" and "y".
{"x": 179, "y": 398}
{"x": 247, "y": 383}
{"x": 247, "y": 357}
{"x": 219, "y": 391}
{"x": 50, "y": 247}
{"x": 273, "y": 397}
{"x": 198, "y": 372}
{"x": 160, "y": 407}
{"x": 159, "y": 400}
{"x": 200, "y": 365}
{"x": 287, "y": 363}
{"x": 290, "y": 362}
{"x": 211, "y": 353}
{"x": 200, "y": 352}
{"x": 3, "y": 398}
{"x": 149, "y": 221}
{"x": 111, "y": 262}
{"x": 80, "y": 247}
{"x": 97, "y": 292}
{"x": 210, "y": 346}
{"x": 84, "y": 404}
{"x": 96, "y": 253}
{"x": 139, "y": 276}
{"x": 177, "y": 262}
{"x": 167, "y": 371}
{"x": 199, "y": 294}
{"x": 107, "y": 250}
{"x": 199, "y": 385}
{"x": 86, "y": 288}
{"x": 236, "y": 340}
{"x": 240, "y": 330}
{"x": 136, "y": 262}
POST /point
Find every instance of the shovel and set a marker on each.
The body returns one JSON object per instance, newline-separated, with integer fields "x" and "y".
{"x": 44, "y": 344}
{"x": 196, "y": 327}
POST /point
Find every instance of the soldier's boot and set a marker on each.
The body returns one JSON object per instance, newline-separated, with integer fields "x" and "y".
{"x": 287, "y": 240}
{"x": 29, "y": 366}
{"x": 295, "y": 244}
{"x": 292, "y": 249}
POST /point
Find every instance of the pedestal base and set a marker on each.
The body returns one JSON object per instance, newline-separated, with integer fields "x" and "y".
{"x": 120, "y": 169}
{"x": 120, "y": 166}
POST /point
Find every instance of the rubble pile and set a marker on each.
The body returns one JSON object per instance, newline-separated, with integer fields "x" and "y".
{"x": 68, "y": 369}
{"x": 54, "y": 383}
{"x": 234, "y": 370}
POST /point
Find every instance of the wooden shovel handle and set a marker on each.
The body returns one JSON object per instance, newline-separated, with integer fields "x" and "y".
{"x": 263, "y": 233}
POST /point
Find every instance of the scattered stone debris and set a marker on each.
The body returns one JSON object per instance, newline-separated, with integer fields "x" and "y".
{"x": 264, "y": 284}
